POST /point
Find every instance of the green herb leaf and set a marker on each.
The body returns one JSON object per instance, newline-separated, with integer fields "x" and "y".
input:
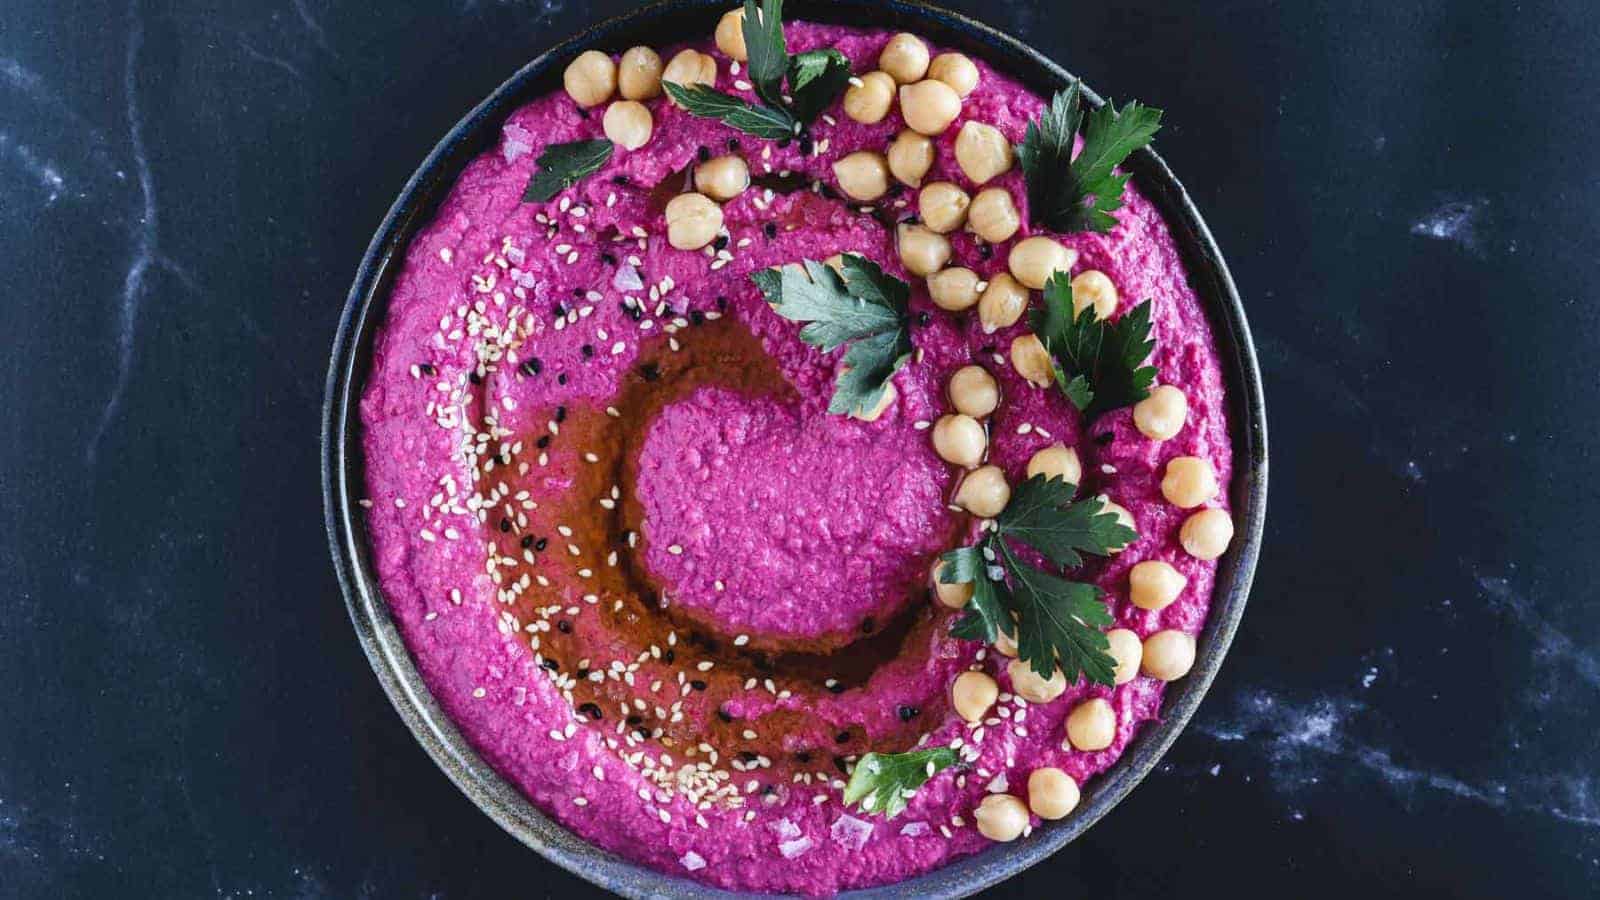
{"x": 1099, "y": 365}
{"x": 986, "y": 617}
{"x": 882, "y": 782}
{"x": 865, "y": 306}
{"x": 1043, "y": 515}
{"x": 703, "y": 101}
{"x": 816, "y": 79}
{"x": 768, "y": 54}
{"x": 561, "y": 166}
{"x": 1067, "y": 194}
{"x": 1059, "y": 622}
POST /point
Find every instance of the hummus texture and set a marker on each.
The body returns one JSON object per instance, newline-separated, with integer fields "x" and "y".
{"x": 653, "y": 581}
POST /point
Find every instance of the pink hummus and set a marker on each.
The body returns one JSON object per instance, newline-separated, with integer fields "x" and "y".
{"x": 655, "y": 584}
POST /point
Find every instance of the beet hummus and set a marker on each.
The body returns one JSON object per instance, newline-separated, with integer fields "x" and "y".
{"x": 666, "y": 592}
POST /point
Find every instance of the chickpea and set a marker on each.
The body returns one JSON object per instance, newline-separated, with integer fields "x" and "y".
{"x": 1094, "y": 286}
{"x": 922, "y": 252}
{"x": 905, "y": 58}
{"x": 974, "y": 392}
{"x": 590, "y": 78}
{"x": 689, "y": 68}
{"x": 1189, "y": 482}
{"x": 876, "y": 410}
{"x": 960, "y": 440}
{"x": 1005, "y": 645}
{"x": 982, "y": 152}
{"x": 929, "y": 106}
{"x": 730, "y": 35}
{"x": 955, "y": 596}
{"x": 1033, "y": 260}
{"x": 722, "y": 178}
{"x": 993, "y": 215}
{"x": 1057, "y": 461}
{"x": 1127, "y": 650}
{"x": 639, "y": 74}
{"x": 1154, "y": 584}
{"x": 1092, "y": 725}
{"x": 1205, "y": 535}
{"x": 956, "y": 70}
{"x": 1052, "y": 793}
{"x": 1002, "y": 304}
{"x": 869, "y": 101}
{"x": 943, "y": 206}
{"x": 910, "y": 157}
{"x": 1032, "y": 361}
{"x": 1161, "y": 415}
{"x": 627, "y": 123}
{"x": 1124, "y": 518}
{"x": 1027, "y": 684}
{"x": 973, "y": 694}
{"x": 984, "y": 492}
{"x": 1001, "y": 817}
{"x": 954, "y": 289}
{"x": 863, "y": 175}
{"x": 693, "y": 221}
{"x": 1168, "y": 655}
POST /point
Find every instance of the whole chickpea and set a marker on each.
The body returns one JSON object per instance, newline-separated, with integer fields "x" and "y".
{"x": 722, "y": 178}
{"x": 863, "y": 175}
{"x": 868, "y": 99}
{"x": 929, "y": 106}
{"x": 954, "y": 289}
{"x": 627, "y": 123}
{"x": 590, "y": 78}
{"x": 943, "y": 206}
{"x": 639, "y": 74}
{"x": 905, "y": 58}
{"x": 993, "y": 215}
{"x": 974, "y": 392}
{"x": 693, "y": 221}
{"x": 922, "y": 250}
{"x": 1002, "y": 304}
{"x": 730, "y": 35}
{"x": 982, "y": 152}
{"x": 910, "y": 157}
{"x": 955, "y": 70}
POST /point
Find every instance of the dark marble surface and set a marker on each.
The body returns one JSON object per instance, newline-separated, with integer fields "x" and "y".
{"x": 1405, "y": 192}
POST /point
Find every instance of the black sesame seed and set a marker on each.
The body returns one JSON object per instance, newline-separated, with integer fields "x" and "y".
{"x": 723, "y": 715}
{"x": 842, "y": 737}
{"x": 907, "y": 713}
{"x": 578, "y": 292}
{"x": 762, "y": 665}
{"x": 669, "y": 656}
{"x": 721, "y": 242}
{"x": 581, "y": 674}
{"x": 562, "y": 378}
{"x": 804, "y": 756}
{"x": 641, "y": 733}
{"x": 924, "y": 319}
{"x": 527, "y": 541}
{"x": 427, "y": 369}
{"x": 704, "y": 154}
{"x": 561, "y": 414}
{"x": 608, "y": 258}
{"x": 587, "y": 350}
{"x": 650, "y": 371}
{"x": 561, "y": 309}
{"x": 733, "y": 145}
{"x": 635, "y": 720}
{"x": 531, "y": 366}
{"x": 986, "y": 349}
{"x": 768, "y": 790}
{"x": 770, "y": 230}
{"x": 621, "y": 179}
{"x": 806, "y": 145}
{"x": 748, "y": 756}
{"x": 1104, "y": 438}
{"x": 505, "y": 524}
{"x": 836, "y": 688}
{"x": 543, "y": 441}
{"x": 592, "y": 710}
{"x": 827, "y": 192}
{"x": 985, "y": 251}
{"x": 839, "y": 763}
{"x": 697, "y": 684}
{"x": 564, "y": 626}
{"x": 722, "y": 303}
{"x": 474, "y": 377}
{"x": 552, "y": 665}
{"x": 540, "y": 544}
{"x": 582, "y": 113}
{"x": 868, "y": 624}
{"x": 784, "y": 142}
{"x": 696, "y": 317}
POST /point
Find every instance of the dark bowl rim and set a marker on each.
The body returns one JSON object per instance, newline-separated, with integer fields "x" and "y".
{"x": 385, "y": 648}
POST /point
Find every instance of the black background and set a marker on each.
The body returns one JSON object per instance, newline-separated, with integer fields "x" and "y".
{"x": 1405, "y": 193}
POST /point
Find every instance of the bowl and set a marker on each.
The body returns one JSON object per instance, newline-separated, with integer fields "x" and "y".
{"x": 343, "y": 478}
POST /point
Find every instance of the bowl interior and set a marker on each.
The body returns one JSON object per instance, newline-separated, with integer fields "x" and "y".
{"x": 343, "y": 476}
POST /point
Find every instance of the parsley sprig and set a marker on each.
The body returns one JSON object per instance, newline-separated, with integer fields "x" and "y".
{"x": 814, "y": 77}
{"x": 865, "y": 308}
{"x": 1099, "y": 364}
{"x": 883, "y": 782}
{"x": 1052, "y": 619}
{"x": 1079, "y": 194}
{"x": 561, "y": 166}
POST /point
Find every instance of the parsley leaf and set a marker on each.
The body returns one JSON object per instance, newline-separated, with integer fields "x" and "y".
{"x": 1055, "y": 621}
{"x": 815, "y": 79}
{"x": 882, "y": 782}
{"x": 1099, "y": 365}
{"x": 865, "y": 307}
{"x": 1067, "y": 194}
{"x": 562, "y": 165}
{"x": 703, "y": 101}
